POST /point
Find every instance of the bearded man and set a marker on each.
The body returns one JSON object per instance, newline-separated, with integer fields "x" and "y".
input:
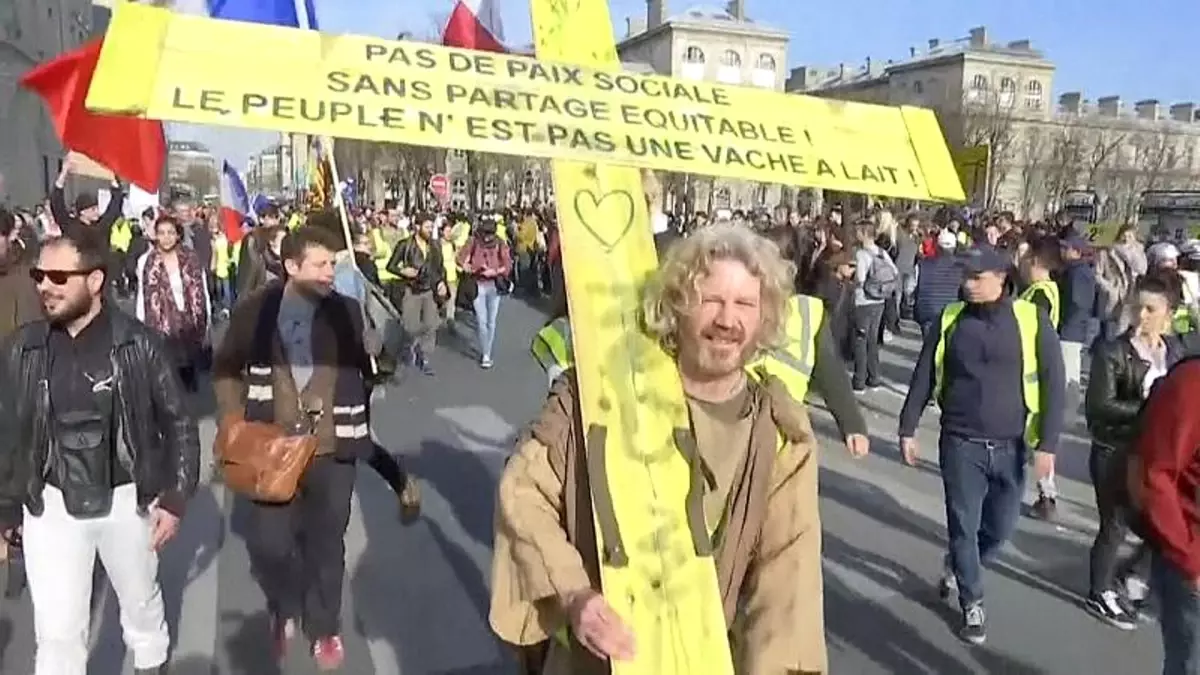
{"x": 99, "y": 457}
{"x": 719, "y": 299}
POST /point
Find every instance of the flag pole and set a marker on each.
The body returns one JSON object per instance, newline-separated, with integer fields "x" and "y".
{"x": 304, "y": 16}
{"x": 338, "y": 202}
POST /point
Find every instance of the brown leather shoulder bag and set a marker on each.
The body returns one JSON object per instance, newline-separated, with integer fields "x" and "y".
{"x": 261, "y": 460}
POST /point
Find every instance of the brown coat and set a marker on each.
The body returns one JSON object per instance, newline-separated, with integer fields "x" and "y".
{"x": 334, "y": 356}
{"x": 19, "y": 301}
{"x": 768, "y": 563}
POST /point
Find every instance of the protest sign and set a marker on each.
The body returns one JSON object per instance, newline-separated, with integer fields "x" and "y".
{"x": 631, "y": 399}
{"x": 180, "y": 68}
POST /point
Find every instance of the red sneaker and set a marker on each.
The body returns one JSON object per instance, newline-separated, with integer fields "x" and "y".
{"x": 329, "y": 653}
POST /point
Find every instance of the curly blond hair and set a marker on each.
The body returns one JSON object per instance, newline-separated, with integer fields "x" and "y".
{"x": 674, "y": 290}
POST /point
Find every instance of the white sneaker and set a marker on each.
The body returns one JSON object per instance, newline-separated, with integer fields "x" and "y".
{"x": 485, "y": 362}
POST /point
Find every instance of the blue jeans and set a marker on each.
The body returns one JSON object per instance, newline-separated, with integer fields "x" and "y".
{"x": 983, "y": 481}
{"x": 487, "y": 307}
{"x": 1179, "y": 618}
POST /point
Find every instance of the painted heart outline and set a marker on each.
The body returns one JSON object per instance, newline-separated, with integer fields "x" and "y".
{"x": 586, "y": 202}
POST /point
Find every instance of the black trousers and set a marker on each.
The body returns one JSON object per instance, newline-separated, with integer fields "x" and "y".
{"x": 298, "y": 549}
{"x": 1108, "y": 468}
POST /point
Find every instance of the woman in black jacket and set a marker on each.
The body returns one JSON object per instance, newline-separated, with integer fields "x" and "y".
{"x": 1123, "y": 370}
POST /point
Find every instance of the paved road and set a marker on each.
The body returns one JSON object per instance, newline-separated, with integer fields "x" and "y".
{"x": 416, "y": 597}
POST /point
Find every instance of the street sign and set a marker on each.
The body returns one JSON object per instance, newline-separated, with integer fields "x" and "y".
{"x": 439, "y": 186}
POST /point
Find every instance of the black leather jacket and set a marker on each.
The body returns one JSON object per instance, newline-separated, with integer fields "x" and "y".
{"x": 158, "y": 441}
{"x": 1114, "y": 394}
{"x": 428, "y": 264}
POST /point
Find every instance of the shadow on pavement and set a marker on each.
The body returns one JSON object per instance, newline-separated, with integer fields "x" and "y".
{"x": 194, "y": 665}
{"x": 1062, "y": 568}
{"x": 887, "y": 640}
{"x": 195, "y": 547}
{"x": 465, "y": 481}
{"x": 246, "y": 634}
{"x": 420, "y": 621}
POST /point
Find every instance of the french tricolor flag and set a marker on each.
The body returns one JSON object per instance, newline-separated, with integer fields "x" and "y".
{"x": 475, "y": 24}
{"x": 292, "y": 13}
{"x": 235, "y": 204}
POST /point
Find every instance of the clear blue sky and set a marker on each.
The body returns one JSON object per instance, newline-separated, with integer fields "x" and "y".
{"x": 1136, "y": 50}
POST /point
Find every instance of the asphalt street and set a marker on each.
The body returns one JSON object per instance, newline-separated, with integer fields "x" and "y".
{"x": 416, "y": 597}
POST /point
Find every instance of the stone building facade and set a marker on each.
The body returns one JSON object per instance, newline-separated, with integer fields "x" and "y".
{"x": 713, "y": 45}
{"x": 1000, "y": 94}
{"x": 31, "y": 32}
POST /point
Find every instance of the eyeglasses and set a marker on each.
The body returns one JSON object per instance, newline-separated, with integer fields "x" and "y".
{"x": 57, "y": 277}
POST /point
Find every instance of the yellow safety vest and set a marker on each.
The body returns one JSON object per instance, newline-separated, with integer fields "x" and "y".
{"x": 121, "y": 236}
{"x": 552, "y": 345}
{"x": 1027, "y": 325}
{"x": 450, "y": 261}
{"x": 383, "y": 254}
{"x": 1050, "y": 289}
{"x": 295, "y": 221}
{"x": 235, "y": 255}
{"x": 792, "y": 364}
{"x": 221, "y": 246}
{"x": 1181, "y": 321}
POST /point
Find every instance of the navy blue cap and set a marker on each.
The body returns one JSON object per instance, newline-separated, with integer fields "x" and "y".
{"x": 984, "y": 259}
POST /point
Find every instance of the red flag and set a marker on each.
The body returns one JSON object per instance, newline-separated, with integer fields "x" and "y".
{"x": 475, "y": 24}
{"x": 134, "y": 149}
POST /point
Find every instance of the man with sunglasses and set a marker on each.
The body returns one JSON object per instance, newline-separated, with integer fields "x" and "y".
{"x": 99, "y": 457}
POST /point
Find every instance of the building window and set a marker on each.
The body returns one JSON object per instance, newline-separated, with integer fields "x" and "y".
{"x": 1008, "y": 85}
{"x": 1033, "y": 95}
{"x": 693, "y": 55}
{"x": 980, "y": 83}
{"x": 731, "y": 58}
{"x": 918, "y": 88}
{"x": 765, "y": 62}
{"x": 459, "y": 186}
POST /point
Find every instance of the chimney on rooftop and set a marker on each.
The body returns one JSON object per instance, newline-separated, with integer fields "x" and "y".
{"x": 1071, "y": 102}
{"x": 1020, "y": 45}
{"x": 1183, "y": 112}
{"x": 933, "y": 44}
{"x": 912, "y": 52}
{"x": 736, "y": 9}
{"x": 1109, "y": 106}
{"x": 978, "y": 36}
{"x": 656, "y": 13}
{"x": 841, "y": 71}
{"x": 1147, "y": 109}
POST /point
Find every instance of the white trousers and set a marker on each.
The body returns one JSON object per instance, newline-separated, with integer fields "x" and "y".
{"x": 60, "y": 556}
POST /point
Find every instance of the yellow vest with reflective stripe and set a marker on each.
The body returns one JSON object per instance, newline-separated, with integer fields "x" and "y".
{"x": 1027, "y": 325}
{"x": 1050, "y": 289}
{"x": 383, "y": 254}
{"x": 792, "y": 364}
{"x": 235, "y": 255}
{"x": 552, "y": 345}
